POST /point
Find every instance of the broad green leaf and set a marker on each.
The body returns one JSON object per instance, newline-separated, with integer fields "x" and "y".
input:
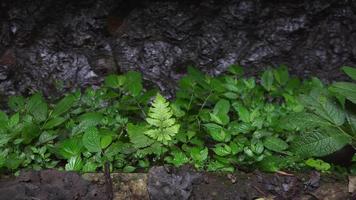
{"x": 324, "y": 107}
{"x": 70, "y": 148}
{"x": 114, "y": 81}
{"x": 267, "y": 80}
{"x": 105, "y": 141}
{"x": 220, "y": 112}
{"x": 133, "y": 83}
{"x": 222, "y": 149}
{"x": 199, "y": 154}
{"x": 275, "y": 144}
{"x": 47, "y": 136}
{"x": 220, "y": 118}
{"x": 281, "y": 75}
{"x": 63, "y": 105}
{"x": 318, "y": 143}
{"x": 244, "y": 114}
{"x": 217, "y": 132}
{"x": 30, "y": 132}
{"x": 16, "y": 103}
{"x": 37, "y": 107}
{"x": 302, "y": 121}
{"x": 75, "y": 163}
{"x": 137, "y": 136}
{"x": 348, "y": 90}
{"x": 14, "y": 120}
{"x": 222, "y": 106}
{"x": 350, "y": 71}
{"x": 91, "y": 118}
{"x": 91, "y": 140}
{"x": 54, "y": 122}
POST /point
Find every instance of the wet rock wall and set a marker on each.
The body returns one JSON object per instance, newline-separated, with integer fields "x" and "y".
{"x": 55, "y": 46}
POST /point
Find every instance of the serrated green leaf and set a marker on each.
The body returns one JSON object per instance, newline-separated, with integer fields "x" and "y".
{"x": 92, "y": 140}
{"x": 350, "y": 71}
{"x": 178, "y": 158}
{"x": 37, "y": 107}
{"x": 318, "y": 143}
{"x": 163, "y": 126}
{"x": 275, "y": 144}
{"x": 63, "y": 106}
{"x": 347, "y": 90}
{"x": 324, "y": 107}
{"x": 137, "y": 136}
{"x": 302, "y": 121}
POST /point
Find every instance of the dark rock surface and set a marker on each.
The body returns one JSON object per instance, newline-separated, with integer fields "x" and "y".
{"x": 171, "y": 183}
{"x": 54, "y": 46}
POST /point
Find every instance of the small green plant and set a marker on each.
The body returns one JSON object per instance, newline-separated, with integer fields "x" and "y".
{"x": 220, "y": 123}
{"x": 163, "y": 126}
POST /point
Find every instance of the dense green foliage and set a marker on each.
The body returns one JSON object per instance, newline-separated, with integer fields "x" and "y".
{"x": 214, "y": 123}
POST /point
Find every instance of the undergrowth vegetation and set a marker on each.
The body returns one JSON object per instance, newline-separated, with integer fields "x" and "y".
{"x": 223, "y": 123}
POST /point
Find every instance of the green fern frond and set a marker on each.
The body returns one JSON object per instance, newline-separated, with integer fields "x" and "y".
{"x": 163, "y": 126}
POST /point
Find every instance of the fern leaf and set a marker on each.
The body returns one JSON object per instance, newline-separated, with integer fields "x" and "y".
{"x": 163, "y": 126}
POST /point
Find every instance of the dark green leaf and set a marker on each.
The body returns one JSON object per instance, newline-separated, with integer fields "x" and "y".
{"x": 133, "y": 83}
{"x": 137, "y": 136}
{"x": 267, "y": 80}
{"x": 37, "y": 107}
{"x": 63, "y": 106}
{"x": 319, "y": 142}
{"x": 350, "y": 71}
{"x": 275, "y": 144}
{"x": 114, "y": 81}
{"x": 91, "y": 140}
{"x": 54, "y": 122}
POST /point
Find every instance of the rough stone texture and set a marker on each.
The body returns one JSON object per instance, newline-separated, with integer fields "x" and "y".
{"x": 170, "y": 183}
{"x": 132, "y": 186}
{"x": 46, "y": 42}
